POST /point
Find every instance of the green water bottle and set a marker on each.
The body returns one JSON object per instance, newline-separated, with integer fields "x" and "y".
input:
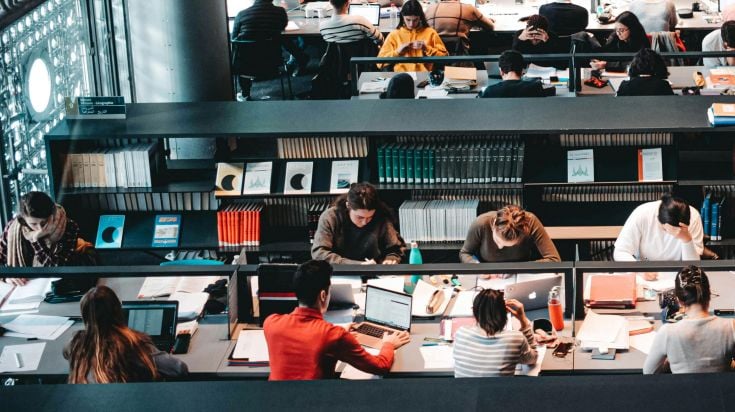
{"x": 414, "y": 258}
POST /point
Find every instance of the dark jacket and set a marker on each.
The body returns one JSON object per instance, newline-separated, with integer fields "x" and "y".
{"x": 552, "y": 46}
{"x": 565, "y": 19}
{"x": 515, "y": 88}
{"x": 645, "y": 86}
{"x": 261, "y": 20}
{"x": 615, "y": 45}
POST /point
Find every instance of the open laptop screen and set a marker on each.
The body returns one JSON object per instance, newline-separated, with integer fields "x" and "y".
{"x": 155, "y": 318}
{"x": 388, "y": 308}
{"x": 369, "y": 11}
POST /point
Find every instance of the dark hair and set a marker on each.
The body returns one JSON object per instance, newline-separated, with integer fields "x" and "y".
{"x": 400, "y": 87}
{"x": 412, "y": 8}
{"x": 338, "y": 4}
{"x": 107, "y": 349}
{"x": 648, "y": 62}
{"x": 362, "y": 196}
{"x": 311, "y": 278}
{"x": 489, "y": 311}
{"x": 511, "y": 61}
{"x": 537, "y": 21}
{"x": 673, "y": 210}
{"x": 511, "y": 223}
{"x": 692, "y": 286}
{"x": 637, "y": 39}
{"x": 727, "y": 31}
{"x": 36, "y": 204}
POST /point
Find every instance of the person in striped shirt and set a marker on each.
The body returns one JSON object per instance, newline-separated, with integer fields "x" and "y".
{"x": 344, "y": 28}
{"x": 487, "y": 349}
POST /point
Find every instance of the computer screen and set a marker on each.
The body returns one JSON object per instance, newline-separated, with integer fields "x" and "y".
{"x": 369, "y": 11}
{"x": 155, "y": 318}
{"x": 388, "y": 308}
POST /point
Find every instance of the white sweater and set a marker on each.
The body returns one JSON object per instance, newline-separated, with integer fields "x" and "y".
{"x": 643, "y": 237}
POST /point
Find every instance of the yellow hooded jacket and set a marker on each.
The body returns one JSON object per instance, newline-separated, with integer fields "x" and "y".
{"x": 434, "y": 47}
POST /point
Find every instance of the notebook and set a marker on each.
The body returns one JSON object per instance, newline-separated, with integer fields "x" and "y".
{"x": 610, "y": 291}
{"x": 385, "y": 311}
{"x": 370, "y": 11}
{"x": 533, "y": 294}
{"x": 156, "y": 318}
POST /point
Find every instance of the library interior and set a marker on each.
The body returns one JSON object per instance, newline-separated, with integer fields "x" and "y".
{"x": 367, "y": 200}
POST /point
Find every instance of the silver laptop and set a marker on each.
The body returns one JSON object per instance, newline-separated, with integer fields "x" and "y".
{"x": 534, "y": 294}
{"x": 369, "y": 11}
{"x": 385, "y": 311}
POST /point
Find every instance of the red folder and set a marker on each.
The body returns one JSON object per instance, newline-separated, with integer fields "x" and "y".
{"x": 612, "y": 291}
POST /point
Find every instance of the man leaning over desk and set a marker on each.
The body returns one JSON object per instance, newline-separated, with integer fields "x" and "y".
{"x": 303, "y": 346}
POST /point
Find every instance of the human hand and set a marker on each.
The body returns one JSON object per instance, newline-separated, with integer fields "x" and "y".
{"x": 389, "y": 262}
{"x": 517, "y": 310}
{"x": 598, "y": 64}
{"x": 397, "y": 339}
{"x": 418, "y": 45}
{"x": 369, "y": 262}
{"x": 16, "y": 281}
{"x": 404, "y": 47}
{"x": 684, "y": 234}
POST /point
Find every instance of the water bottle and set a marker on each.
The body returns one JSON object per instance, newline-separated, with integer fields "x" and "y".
{"x": 555, "y": 313}
{"x": 393, "y": 11}
{"x": 414, "y": 258}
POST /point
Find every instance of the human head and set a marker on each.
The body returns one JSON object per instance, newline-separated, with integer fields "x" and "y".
{"x": 36, "y": 208}
{"x": 400, "y": 87}
{"x": 727, "y": 31}
{"x": 340, "y": 6}
{"x": 412, "y": 15}
{"x": 671, "y": 212}
{"x": 489, "y": 311}
{"x": 537, "y": 21}
{"x": 511, "y": 61}
{"x": 311, "y": 284}
{"x": 361, "y": 203}
{"x": 510, "y": 226}
{"x": 648, "y": 62}
{"x": 692, "y": 287}
{"x": 630, "y": 30}
{"x": 101, "y": 310}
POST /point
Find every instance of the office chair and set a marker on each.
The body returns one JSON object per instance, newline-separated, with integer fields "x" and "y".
{"x": 260, "y": 59}
{"x": 332, "y": 80}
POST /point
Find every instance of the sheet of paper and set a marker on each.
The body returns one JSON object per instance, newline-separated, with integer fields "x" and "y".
{"x": 608, "y": 74}
{"x": 664, "y": 281}
{"x": 292, "y": 25}
{"x": 38, "y": 326}
{"x": 616, "y": 82}
{"x": 191, "y": 305}
{"x": 374, "y": 86}
{"x": 643, "y": 342}
{"x": 437, "y": 357}
{"x": 352, "y": 373}
{"x": 251, "y": 345}
{"x": 391, "y": 283}
{"x": 353, "y": 281}
{"x": 189, "y": 327}
{"x": 610, "y": 331}
{"x": 195, "y": 284}
{"x": 33, "y": 291}
{"x": 539, "y": 71}
{"x": 533, "y": 370}
{"x": 156, "y": 286}
{"x": 421, "y": 296}
{"x": 28, "y": 354}
{"x": 431, "y": 93}
{"x": 463, "y": 303}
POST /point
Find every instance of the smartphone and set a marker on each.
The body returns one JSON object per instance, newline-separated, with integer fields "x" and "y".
{"x": 422, "y": 84}
{"x": 724, "y": 312}
{"x": 562, "y": 349}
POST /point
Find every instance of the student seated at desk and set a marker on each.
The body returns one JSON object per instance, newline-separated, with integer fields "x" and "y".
{"x": 412, "y": 38}
{"x": 455, "y": 19}
{"x": 508, "y": 235}
{"x": 358, "y": 229}
{"x": 537, "y": 39}
{"x": 648, "y": 74}
{"x": 303, "y": 346}
{"x": 400, "y": 86}
{"x": 698, "y": 343}
{"x": 628, "y": 37}
{"x": 108, "y": 351}
{"x": 720, "y": 40}
{"x": 655, "y": 15}
{"x": 511, "y": 66}
{"x": 565, "y": 18}
{"x": 345, "y": 28}
{"x": 487, "y": 349}
{"x": 41, "y": 235}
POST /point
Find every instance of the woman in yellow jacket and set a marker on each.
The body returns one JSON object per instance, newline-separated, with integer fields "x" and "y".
{"x": 413, "y": 38}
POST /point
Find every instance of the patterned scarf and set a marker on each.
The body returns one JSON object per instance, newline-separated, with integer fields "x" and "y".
{"x": 50, "y": 235}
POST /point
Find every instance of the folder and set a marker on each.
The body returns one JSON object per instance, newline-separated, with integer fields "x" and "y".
{"x": 611, "y": 291}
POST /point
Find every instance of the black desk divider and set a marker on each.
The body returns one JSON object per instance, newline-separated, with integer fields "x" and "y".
{"x": 275, "y": 289}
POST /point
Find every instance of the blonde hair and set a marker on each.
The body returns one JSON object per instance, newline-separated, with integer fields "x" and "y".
{"x": 511, "y": 223}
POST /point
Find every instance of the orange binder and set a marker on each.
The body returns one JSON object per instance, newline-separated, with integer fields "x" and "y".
{"x": 612, "y": 291}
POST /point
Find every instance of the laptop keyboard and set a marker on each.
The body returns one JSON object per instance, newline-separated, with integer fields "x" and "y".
{"x": 371, "y": 330}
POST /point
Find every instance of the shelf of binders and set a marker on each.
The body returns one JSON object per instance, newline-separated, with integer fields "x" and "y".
{"x": 448, "y": 186}
{"x": 713, "y": 182}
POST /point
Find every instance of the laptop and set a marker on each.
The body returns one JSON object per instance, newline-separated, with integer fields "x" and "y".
{"x": 369, "y": 11}
{"x": 156, "y": 318}
{"x": 385, "y": 311}
{"x": 534, "y": 294}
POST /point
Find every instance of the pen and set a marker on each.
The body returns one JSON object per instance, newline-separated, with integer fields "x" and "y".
{"x": 430, "y": 344}
{"x": 18, "y": 360}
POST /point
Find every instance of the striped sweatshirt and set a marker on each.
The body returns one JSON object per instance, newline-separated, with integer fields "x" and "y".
{"x": 478, "y": 355}
{"x": 343, "y": 28}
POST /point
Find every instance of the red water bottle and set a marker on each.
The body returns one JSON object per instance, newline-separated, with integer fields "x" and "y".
{"x": 555, "y": 313}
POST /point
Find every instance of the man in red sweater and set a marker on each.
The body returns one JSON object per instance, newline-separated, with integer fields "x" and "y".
{"x": 303, "y": 346}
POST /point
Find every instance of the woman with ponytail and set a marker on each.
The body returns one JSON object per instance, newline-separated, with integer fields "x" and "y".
{"x": 699, "y": 342}
{"x": 107, "y": 351}
{"x": 508, "y": 235}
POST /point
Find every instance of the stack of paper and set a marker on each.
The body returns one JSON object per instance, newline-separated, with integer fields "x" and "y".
{"x": 604, "y": 331}
{"x": 463, "y": 304}
{"x": 540, "y": 72}
{"x": 26, "y": 298}
{"x": 37, "y": 326}
{"x": 377, "y": 86}
{"x": 191, "y": 305}
{"x": 158, "y": 286}
{"x": 251, "y": 349}
{"x": 533, "y": 370}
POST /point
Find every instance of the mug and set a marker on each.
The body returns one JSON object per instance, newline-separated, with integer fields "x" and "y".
{"x": 436, "y": 77}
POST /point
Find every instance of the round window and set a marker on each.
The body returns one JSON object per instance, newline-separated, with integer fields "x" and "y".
{"x": 39, "y": 85}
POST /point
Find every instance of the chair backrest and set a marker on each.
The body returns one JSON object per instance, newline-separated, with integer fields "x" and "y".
{"x": 454, "y": 45}
{"x": 257, "y": 57}
{"x": 333, "y": 77}
{"x": 192, "y": 262}
{"x": 668, "y": 41}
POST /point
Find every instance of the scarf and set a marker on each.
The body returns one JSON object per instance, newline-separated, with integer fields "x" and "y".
{"x": 49, "y": 235}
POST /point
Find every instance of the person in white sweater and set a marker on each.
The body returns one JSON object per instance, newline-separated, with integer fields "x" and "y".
{"x": 667, "y": 229}
{"x": 655, "y": 15}
{"x": 698, "y": 343}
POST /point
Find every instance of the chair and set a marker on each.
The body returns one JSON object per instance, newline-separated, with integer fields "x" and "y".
{"x": 260, "y": 59}
{"x": 668, "y": 41}
{"x": 332, "y": 80}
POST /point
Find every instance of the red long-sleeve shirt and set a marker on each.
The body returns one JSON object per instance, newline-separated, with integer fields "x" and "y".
{"x": 303, "y": 346}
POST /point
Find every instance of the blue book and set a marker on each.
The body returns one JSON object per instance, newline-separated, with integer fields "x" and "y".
{"x": 706, "y": 215}
{"x": 110, "y": 232}
{"x": 166, "y": 231}
{"x": 716, "y": 120}
{"x": 715, "y": 218}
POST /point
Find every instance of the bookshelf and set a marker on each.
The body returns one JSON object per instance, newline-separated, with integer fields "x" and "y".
{"x": 695, "y": 157}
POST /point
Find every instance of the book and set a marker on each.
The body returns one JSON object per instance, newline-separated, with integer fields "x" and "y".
{"x": 229, "y": 179}
{"x": 110, "y": 232}
{"x": 344, "y": 174}
{"x": 257, "y": 178}
{"x": 161, "y": 286}
{"x": 166, "y": 231}
{"x": 616, "y": 291}
{"x": 580, "y": 166}
{"x": 650, "y": 167}
{"x": 721, "y": 114}
{"x": 250, "y": 350}
{"x": 298, "y": 177}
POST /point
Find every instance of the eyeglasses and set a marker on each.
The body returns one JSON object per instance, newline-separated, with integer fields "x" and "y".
{"x": 621, "y": 30}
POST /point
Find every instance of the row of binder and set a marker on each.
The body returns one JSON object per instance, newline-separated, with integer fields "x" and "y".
{"x": 436, "y": 220}
{"x": 322, "y": 147}
{"x": 605, "y": 193}
{"x": 616, "y": 139}
{"x": 148, "y": 201}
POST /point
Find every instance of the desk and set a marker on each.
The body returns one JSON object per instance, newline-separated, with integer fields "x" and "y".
{"x": 679, "y": 76}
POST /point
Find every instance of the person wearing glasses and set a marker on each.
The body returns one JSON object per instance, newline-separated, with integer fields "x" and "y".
{"x": 698, "y": 343}
{"x": 487, "y": 349}
{"x": 628, "y": 37}
{"x": 358, "y": 229}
